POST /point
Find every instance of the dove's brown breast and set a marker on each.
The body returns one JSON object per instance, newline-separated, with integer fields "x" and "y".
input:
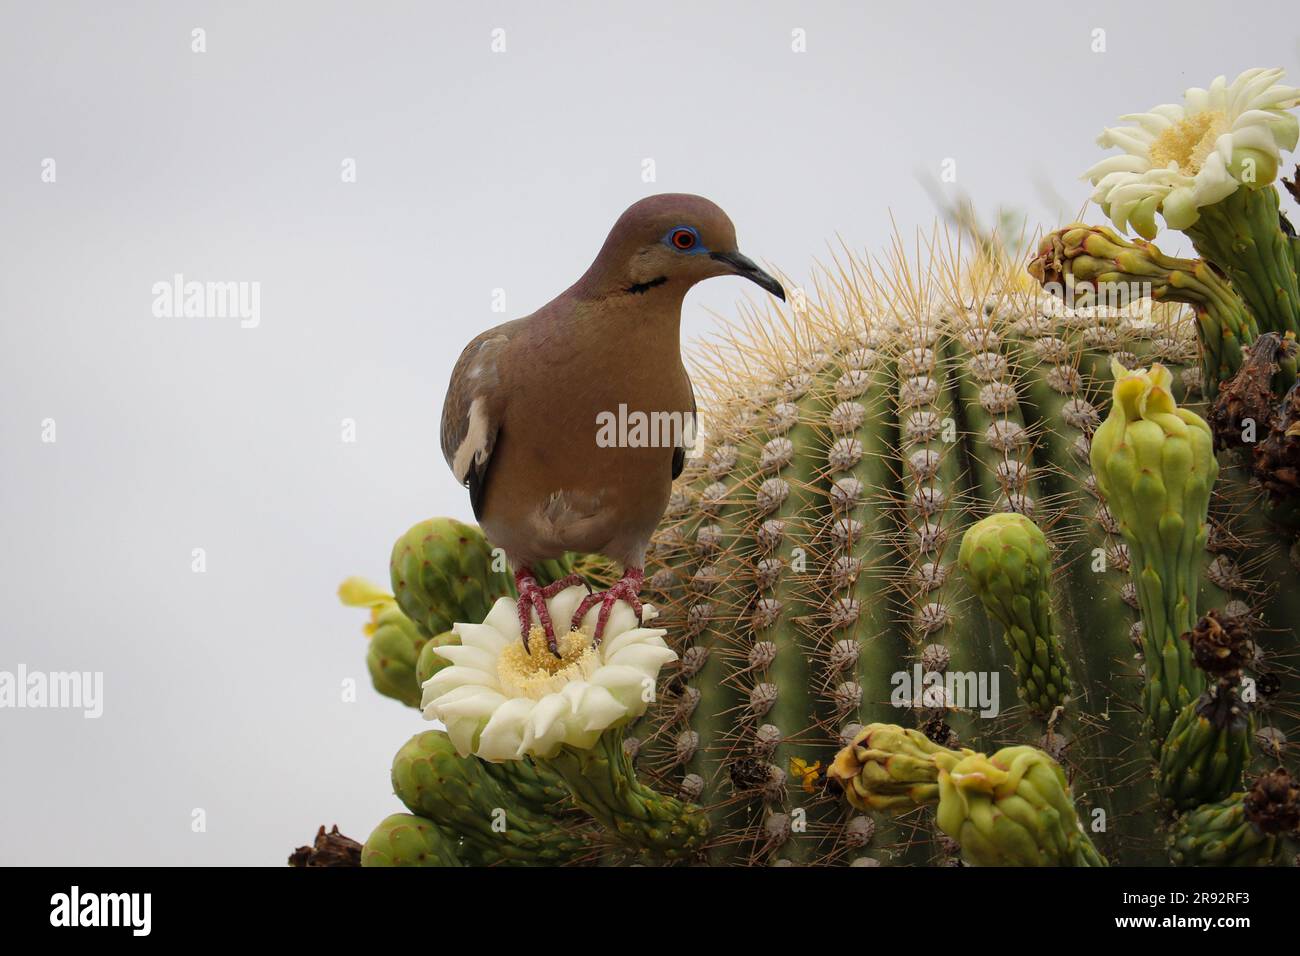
{"x": 553, "y": 486}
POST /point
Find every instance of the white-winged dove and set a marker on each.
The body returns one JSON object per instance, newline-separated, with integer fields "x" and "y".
{"x": 532, "y": 404}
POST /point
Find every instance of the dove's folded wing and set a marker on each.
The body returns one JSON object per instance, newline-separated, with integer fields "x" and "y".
{"x": 472, "y": 411}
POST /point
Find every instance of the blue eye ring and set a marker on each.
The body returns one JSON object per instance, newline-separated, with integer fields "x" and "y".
{"x": 683, "y": 239}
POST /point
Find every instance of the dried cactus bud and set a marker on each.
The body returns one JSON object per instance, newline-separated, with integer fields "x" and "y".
{"x": 1221, "y": 646}
{"x": 1273, "y": 803}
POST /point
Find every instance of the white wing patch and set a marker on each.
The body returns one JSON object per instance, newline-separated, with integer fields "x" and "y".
{"x": 474, "y": 445}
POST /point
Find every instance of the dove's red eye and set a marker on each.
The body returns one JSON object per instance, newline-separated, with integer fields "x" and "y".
{"x": 683, "y": 239}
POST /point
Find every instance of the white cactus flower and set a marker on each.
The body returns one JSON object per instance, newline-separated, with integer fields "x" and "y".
{"x": 501, "y": 703}
{"x": 1179, "y": 158}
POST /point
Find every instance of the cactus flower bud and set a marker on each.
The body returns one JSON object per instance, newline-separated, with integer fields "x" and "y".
{"x": 1155, "y": 465}
{"x": 888, "y": 768}
{"x": 1007, "y": 562}
{"x": 1011, "y": 809}
{"x": 1094, "y": 257}
{"x": 1246, "y": 829}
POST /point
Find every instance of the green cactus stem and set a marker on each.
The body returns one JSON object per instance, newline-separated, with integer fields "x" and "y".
{"x": 806, "y": 566}
{"x": 1000, "y": 478}
{"x": 1007, "y": 562}
{"x": 404, "y": 839}
{"x": 1241, "y": 235}
{"x": 1092, "y": 617}
{"x": 497, "y": 826}
{"x": 601, "y": 782}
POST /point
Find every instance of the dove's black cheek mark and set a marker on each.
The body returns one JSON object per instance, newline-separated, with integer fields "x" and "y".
{"x": 637, "y": 288}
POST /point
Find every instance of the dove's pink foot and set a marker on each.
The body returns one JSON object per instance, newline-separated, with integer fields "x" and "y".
{"x": 627, "y": 588}
{"x": 533, "y": 597}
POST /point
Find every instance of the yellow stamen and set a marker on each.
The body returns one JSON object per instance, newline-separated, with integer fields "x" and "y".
{"x": 537, "y": 672}
{"x": 1189, "y": 141}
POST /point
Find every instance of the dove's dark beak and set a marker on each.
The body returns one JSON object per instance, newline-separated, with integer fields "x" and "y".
{"x": 744, "y": 266}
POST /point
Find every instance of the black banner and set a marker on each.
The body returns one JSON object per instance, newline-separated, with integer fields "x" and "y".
{"x": 328, "y": 906}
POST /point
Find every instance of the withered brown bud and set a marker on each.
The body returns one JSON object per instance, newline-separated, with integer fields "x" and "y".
{"x": 1248, "y": 394}
{"x": 1273, "y": 803}
{"x": 329, "y": 849}
{"x": 1221, "y": 645}
{"x": 1277, "y": 458}
{"x": 937, "y": 730}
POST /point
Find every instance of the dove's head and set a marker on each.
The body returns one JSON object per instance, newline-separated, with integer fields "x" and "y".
{"x": 672, "y": 241}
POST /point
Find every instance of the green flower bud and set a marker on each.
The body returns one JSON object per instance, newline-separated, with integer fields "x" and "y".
{"x": 407, "y": 840}
{"x": 1096, "y": 255}
{"x": 1155, "y": 466}
{"x": 1012, "y": 809}
{"x": 888, "y": 768}
{"x": 445, "y": 571}
{"x": 1007, "y": 561}
{"x": 396, "y": 643}
{"x": 1246, "y": 829}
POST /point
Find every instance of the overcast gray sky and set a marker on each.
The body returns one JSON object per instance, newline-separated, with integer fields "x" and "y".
{"x": 475, "y": 171}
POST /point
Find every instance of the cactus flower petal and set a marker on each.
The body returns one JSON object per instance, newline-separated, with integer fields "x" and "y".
{"x": 502, "y": 702}
{"x": 1180, "y": 158}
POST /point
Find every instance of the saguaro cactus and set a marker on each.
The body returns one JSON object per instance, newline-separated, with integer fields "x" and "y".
{"x": 917, "y": 417}
{"x": 832, "y": 691}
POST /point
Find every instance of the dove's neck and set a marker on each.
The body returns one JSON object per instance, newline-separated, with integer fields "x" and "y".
{"x": 618, "y": 275}
{"x": 630, "y": 317}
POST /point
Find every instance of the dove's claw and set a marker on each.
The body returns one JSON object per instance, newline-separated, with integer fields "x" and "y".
{"x": 555, "y": 587}
{"x": 627, "y": 588}
{"x": 533, "y": 598}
